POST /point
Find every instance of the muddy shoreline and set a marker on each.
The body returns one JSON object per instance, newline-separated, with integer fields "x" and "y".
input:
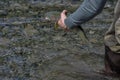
{"x": 36, "y": 51}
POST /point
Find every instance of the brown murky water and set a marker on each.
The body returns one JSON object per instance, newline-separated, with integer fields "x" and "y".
{"x": 31, "y": 49}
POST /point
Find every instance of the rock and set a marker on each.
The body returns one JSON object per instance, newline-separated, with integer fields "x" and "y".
{"x": 91, "y": 32}
{"x": 3, "y": 13}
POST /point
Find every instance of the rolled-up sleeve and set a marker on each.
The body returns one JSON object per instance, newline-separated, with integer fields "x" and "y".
{"x": 88, "y": 10}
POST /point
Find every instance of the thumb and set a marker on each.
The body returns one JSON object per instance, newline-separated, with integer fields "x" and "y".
{"x": 65, "y": 12}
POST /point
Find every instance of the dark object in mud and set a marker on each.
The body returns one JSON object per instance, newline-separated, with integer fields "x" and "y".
{"x": 112, "y": 62}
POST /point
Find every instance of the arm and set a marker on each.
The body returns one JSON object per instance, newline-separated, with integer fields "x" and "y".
{"x": 88, "y": 10}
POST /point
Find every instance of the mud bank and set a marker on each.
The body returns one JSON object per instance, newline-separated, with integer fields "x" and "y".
{"x": 31, "y": 48}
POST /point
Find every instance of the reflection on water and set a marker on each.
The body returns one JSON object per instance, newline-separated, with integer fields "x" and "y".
{"x": 30, "y": 48}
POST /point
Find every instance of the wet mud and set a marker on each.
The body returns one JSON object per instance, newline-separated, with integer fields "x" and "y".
{"x": 32, "y": 49}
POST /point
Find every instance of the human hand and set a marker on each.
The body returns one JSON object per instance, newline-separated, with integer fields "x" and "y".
{"x": 63, "y": 16}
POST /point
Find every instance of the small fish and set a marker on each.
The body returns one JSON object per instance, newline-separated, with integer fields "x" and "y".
{"x": 56, "y": 25}
{"x": 84, "y": 37}
{"x": 83, "y": 34}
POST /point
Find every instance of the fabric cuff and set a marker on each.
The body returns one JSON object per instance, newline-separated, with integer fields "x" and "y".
{"x": 68, "y": 23}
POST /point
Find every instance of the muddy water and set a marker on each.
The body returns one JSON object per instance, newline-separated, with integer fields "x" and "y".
{"x": 31, "y": 49}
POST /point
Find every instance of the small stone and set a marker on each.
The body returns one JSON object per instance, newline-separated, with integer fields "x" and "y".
{"x": 91, "y": 32}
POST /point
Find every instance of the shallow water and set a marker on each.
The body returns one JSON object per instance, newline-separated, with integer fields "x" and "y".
{"x": 31, "y": 49}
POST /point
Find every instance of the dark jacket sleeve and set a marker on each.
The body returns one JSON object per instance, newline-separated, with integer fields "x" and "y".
{"x": 88, "y": 10}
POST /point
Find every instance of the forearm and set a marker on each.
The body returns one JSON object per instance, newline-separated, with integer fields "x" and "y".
{"x": 88, "y": 10}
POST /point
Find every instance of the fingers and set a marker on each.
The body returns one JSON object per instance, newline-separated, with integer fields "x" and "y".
{"x": 62, "y": 25}
{"x": 61, "y": 22}
{"x": 64, "y": 12}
